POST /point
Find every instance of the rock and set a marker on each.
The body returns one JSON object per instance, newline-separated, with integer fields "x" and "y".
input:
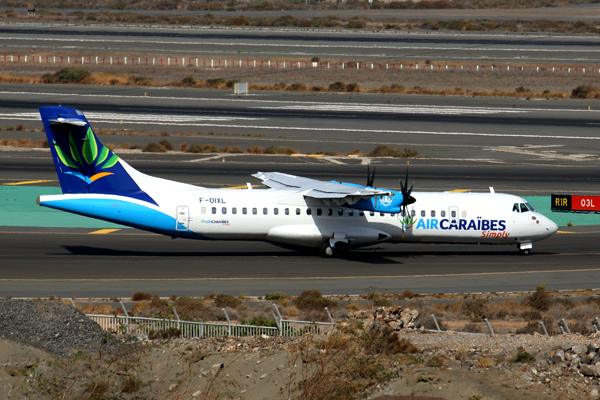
{"x": 579, "y": 350}
{"x": 197, "y": 393}
{"x": 594, "y": 392}
{"x": 559, "y": 356}
{"x": 597, "y": 370}
{"x": 566, "y": 346}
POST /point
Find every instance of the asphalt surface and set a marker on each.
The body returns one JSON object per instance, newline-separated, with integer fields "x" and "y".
{"x": 44, "y": 262}
{"x": 462, "y": 130}
{"x": 71, "y": 262}
{"x": 262, "y": 43}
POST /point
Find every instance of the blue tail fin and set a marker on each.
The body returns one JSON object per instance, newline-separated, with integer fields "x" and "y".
{"x": 82, "y": 163}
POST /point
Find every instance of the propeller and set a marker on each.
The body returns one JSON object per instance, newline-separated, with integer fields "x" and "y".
{"x": 407, "y": 199}
{"x": 370, "y": 178}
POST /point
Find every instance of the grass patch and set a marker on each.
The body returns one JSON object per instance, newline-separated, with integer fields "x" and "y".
{"x": 280, "y": 150}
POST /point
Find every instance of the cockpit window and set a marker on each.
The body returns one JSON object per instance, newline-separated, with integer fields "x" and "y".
{"x": 516, "y": 207}
{"x": 530, "y": 207}
{"x": 524, "y": 208}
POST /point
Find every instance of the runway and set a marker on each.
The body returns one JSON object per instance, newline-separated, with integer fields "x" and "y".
{"x": 300, "y": 43}
{"x": 68, "y": 263}
{"x": 557, "y": 153}
{"x": 508, "y": 131}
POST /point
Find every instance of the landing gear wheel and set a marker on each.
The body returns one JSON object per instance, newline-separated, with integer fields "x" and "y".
{"x": 525, "y": 252}
{"x": 327, "y": 251}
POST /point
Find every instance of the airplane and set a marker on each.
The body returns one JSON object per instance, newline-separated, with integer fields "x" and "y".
{"x": 294, "y": 211}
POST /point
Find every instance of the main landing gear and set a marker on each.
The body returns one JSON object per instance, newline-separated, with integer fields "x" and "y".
{"x": 328, "y": 252}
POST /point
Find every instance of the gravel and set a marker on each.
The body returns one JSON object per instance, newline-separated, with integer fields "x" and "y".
{"x": 51, "y": 326}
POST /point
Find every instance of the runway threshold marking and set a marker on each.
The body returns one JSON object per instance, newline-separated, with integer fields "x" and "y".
{"x": 25, "y": 183}
{"x": 459, "y": 190}
{"x": 299, "y": 278}
{"x": 103, "y": 231}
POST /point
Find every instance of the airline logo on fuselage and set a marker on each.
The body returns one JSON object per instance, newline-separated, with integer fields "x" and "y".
{"x": 489, "y": 227}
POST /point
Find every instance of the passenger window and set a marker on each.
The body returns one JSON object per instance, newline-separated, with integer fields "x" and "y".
{"x": 329, "y": 212}
{"x": 443, "y": 214}
{"x": 308, "y": 211}
{"x": 265, "y": 211}
{"x": 287, "y": 211}
{"x": 340, "y": 212}
{"x": 413, "y": 213}
{"x": 453, "y": 214}
{"x": 254, "y": 211}
{"x": 297, "y": 211}
{"x": 516, "y": 207}
{"x": 433, "y": 213}
{"x": 234, "y": 210}
{"x": 203, "y": 210}
{"x": 464, "y": 214}
{"x": 244, "y": 211}
{"x": 423, "y": 213}
{"x": 372, "y": 213}
{"x": 275, "y": 211}
{"x": 214, "y": 210}
{"x": 524, "y": 208}
{"x": 224, "y": 210}
{"x": 351, "y": 213}
{"x": 319, "y": 211}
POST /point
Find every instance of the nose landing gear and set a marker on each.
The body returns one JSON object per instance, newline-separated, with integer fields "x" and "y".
{"x": 525, "y": 248}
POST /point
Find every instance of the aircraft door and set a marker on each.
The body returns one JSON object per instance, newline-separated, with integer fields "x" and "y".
{"x": 183, "y": 218}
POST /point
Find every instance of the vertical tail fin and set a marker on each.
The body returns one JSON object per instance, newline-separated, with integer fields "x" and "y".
{"x": 82, "y": 163}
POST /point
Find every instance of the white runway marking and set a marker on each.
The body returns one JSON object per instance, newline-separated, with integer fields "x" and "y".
{"x": 399, "y": 109}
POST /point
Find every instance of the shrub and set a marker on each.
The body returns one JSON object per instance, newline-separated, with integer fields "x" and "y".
{"x": 190, "y": 81}
{"x": 255, "y": 150}
{"x": 209, "y": 148}
{"x": 142, "y": 80}
{"x": 280, "y": 150}
{"x": 195, "y": 148}
{"x": 471, "y": 327}
{"x": 313, "y": 300}
{"x": 315, "y": 59}
{"x": 260, "y": 321}
{"x": 337, "y": 87}
{"x": 230, "y": 83}
{"x": 389, "y": 151}
{"x": 531, "y": 315}
{"x": 67, "y": 75}
{"x": 407, "y": 294}
{"x": 522, "y": 357}
{"x": 139, "y": 296}
{"x": 154, "y": 148}
{"x": 166, "y": 144}
{"x": 529, "y": 329}
{"x": 227, "y": 300}
{"x": 383, "y": 340}
{"x": 215, "y": 82}
{"x": 539, "y": 300}
{"x": 183, "y": 146}
{"x": 275, "y": 296}
{"x": 354, "y": 24}
{"x": 521, "y": 89}
{"x": 353, "y": 87}
{"x": 297, "y": 87}
{"x": 582, "y": 91}
{"x": 238, "y": 21}
{"x": 476, "y": 309}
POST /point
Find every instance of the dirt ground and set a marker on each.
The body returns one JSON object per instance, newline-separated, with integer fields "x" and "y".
{"x": 383, "y": 73}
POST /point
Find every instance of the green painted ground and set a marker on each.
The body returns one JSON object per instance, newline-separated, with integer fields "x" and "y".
{"x": 18, "y": 208}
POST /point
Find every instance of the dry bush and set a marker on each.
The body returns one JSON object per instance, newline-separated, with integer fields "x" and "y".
{"x": 255, "y": 150}
{"x": 539, "y": 300}
{"x": 530, "y": 328}
{"x": 28, "y": 143}
{"x": 292, "y": 311}
{"x": 485, "y": 362}
{"x": 154, "y": 147}
{"x": 408, "y": 294}
{"x": 471, "y": 327}
{"x": 389, "y": 151}
{"x": 183, "y": 146}
{"x": 313, "y": 300}
{"x": 354, "y": 306}
{"x": 227, "y": 300}
{"x": 280, "y": 150}
{"x": 138, "y": 296}
{"x": 531, "y": 315}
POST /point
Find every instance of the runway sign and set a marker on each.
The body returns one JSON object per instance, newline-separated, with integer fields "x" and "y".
{"x": 567, "y": 202}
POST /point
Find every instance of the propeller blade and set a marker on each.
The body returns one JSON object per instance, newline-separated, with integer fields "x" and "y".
{"x": 371, "y": 178}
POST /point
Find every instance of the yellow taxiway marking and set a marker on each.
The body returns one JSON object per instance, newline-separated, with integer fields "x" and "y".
{"x": 460, "y": 190}
{"x": 24, "y": 183}
{"x": 299, "y": 278}
{"x": 103, "y": 231}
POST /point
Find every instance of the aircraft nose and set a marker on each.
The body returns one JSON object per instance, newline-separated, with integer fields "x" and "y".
{"x": 550, "y": 226}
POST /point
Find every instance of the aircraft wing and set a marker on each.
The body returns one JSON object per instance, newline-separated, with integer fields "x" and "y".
{"x": 320, "y": 189}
